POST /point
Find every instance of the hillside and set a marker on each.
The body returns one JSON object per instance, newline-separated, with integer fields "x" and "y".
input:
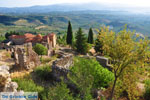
{"x": 57, "y": 21}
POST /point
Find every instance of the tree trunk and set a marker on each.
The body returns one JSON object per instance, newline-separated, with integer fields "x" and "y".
{"x": 113, "y": 89}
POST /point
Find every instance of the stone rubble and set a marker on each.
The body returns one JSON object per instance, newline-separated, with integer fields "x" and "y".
{"x": 6, "y": 85}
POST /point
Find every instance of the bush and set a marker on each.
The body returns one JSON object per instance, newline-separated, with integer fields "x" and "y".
{"x": 102, "y": 76}
{"x": 147, "y": 89}
{"x": 61, "y": 39}
{"x": 87, "y": 74}
{"x": 43, "y": 72}
{"x": 40, "y": 49}
{"x": 59, "y": 92}
{"x": 2, "y": 38}
{"x": 28, "y": 85}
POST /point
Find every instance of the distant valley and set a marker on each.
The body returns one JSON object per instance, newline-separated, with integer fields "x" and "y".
{"x": 45, "y": 19}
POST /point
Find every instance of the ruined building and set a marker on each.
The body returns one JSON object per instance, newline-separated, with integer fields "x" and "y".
{"x": 28, "y": 37}
{"x": 25, "y": 58}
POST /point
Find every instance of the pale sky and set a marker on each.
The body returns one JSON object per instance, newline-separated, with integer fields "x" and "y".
{"x": 25, "y": 3}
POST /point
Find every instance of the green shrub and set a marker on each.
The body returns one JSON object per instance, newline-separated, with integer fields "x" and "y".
{"x": 61, "y": 39}
{"x": 59, "y": 92}
{"x": 102, "y": 76}
{"x": 2, "y": 38}
{"x": 28, "y": 85}
{"x": 87, "y": 74}
{"x": 40, "y": 49}
{"x": 147, "y": 89}
{"x": 43, "y": 72}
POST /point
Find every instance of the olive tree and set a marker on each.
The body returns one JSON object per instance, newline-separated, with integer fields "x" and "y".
{"x": 123, "y": 50}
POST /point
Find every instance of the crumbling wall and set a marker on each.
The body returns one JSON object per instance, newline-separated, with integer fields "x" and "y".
{"x": 6, "y": 85}
{"x": 26, "y": 58}
{"x": 104, "y": 62}
{"x": 61, "y": 66}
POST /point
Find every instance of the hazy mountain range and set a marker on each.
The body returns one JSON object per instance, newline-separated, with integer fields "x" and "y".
{"x": 72, "y": 7}
{"x": 44, "y": 19}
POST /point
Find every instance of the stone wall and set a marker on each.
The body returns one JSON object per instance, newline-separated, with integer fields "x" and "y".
{"x": 25, "y": 57}
{"x": 6, "y": 85}
{"x": 50, "y": 51}
{"x": 61, "y": 66}
{"x": 104, "y": 62}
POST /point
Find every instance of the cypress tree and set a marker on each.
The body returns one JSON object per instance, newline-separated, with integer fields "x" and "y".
{"x": 81, "y": 43}
{"x": 90, "y": 36}
{"x": 69, "y": 34}
{"x": 98, "y": 44}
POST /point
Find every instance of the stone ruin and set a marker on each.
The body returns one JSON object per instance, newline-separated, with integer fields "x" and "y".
{"x": 104, "y": 62}
{"x": 25, "y": 57}
{"x": 61, "y": 66}
{"x": 6, "y": 85}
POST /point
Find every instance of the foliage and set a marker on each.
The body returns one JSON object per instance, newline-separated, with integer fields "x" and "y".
{"x": 40, "y": 49}
{"x": 28, "y": 85}
{"x": 81, "y": 44}
{"x": 2, "y": 38}
{"x": 90, "y": 36}
{"x": 43, "y": 72}
{"x": 126, "y": 85}
{"x": 98, "y": 44}
{"x": 61, "y": 39}
{"x": 125, "y": 53}
{"x": 69, "y": 34}
{"x": 59, "y": 92}
{"x": 11, "y": 33}
{"x": 147, "y": 89}
{"x": 87, "y": 74}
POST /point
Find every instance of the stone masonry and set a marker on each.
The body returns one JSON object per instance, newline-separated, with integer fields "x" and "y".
{"x": 25, "y": 57}
{"x": 6, "y": 85}
{"x": 61, "y": 66}
{"x": 104, "y": 62}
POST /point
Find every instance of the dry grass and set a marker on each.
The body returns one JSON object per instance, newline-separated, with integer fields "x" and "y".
{"x": 20, "y": 74}
{"x": 5, "y": 58}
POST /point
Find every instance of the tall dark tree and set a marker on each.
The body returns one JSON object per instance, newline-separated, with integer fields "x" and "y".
{"x": 98, "y": 43}
{"x": 90, "y": 36}
{"x": 69, "y": 34}
{"x": 81, "y": 42}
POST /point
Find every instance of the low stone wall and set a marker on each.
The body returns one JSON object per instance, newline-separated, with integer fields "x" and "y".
{"x": 6, "y": 85}
{"x": 61, "y": 66}
{"x": 104, "y": 62}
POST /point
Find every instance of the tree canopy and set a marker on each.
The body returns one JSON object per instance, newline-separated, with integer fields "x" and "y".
{"x": 69, "y": 34}
{"x": 90, "y": 36}
{"x": 124, "y": 52}
{"x": 81, "y": 42}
